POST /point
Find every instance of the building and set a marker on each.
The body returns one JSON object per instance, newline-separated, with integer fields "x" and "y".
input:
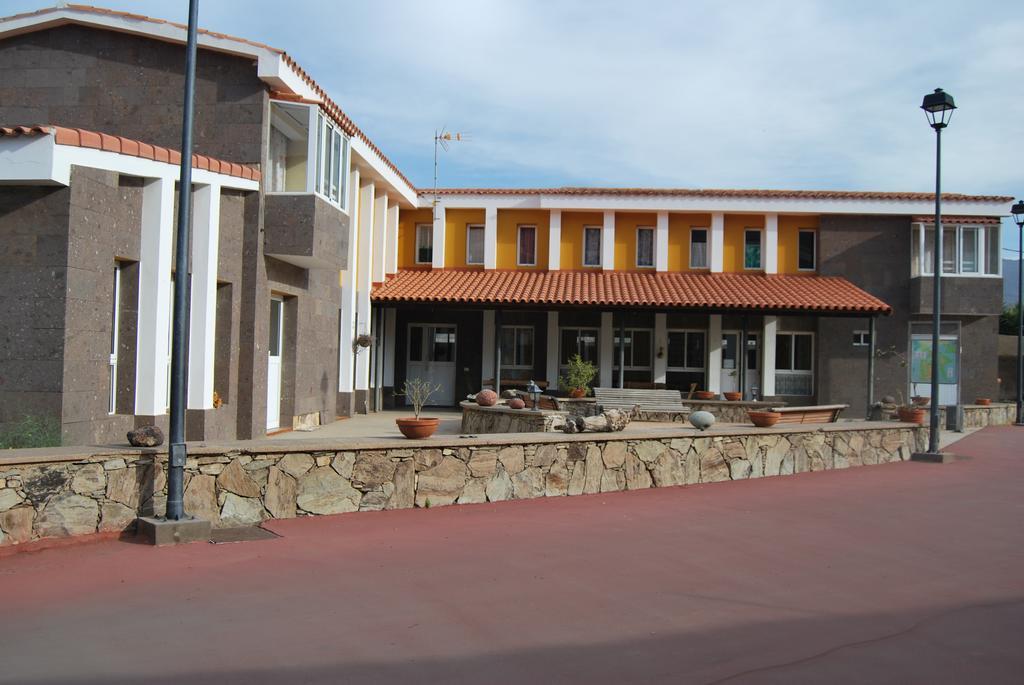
{"x": 321, "y": 279}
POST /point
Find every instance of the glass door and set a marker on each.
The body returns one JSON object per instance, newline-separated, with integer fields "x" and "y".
{"x": 432, "y": 358}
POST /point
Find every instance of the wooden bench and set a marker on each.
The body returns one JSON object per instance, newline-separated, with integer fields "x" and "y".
{"x": 647, "y": 400}
{"x": 822, "y": 413}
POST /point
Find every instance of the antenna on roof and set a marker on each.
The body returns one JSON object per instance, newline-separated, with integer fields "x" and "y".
{"x": 443, "y": 137}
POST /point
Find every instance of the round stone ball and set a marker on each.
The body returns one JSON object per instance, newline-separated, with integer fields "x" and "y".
{"x": 487, "y": 398}
{"x": 516, "y": 403}
{"x": 702, "y": 420}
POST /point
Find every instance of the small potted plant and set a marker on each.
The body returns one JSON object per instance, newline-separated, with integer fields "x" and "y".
{"x": 733, "y": 396}
{"x": 418, "y": 391}
{"x": 910, "y": 413}
{"x": 578, "y": 377}
{"x": 705, "y": 395}
{"x": 983, "y": 401}
{"x": 763, "y": 419}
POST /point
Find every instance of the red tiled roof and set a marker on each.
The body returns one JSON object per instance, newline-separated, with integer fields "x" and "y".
{"x": 718, "y": 192}
{"x": 329, "y": 106}
{"x": 971, "y": 220}
{"x": 77, "y": 137}
{"x": 739, "y": 291}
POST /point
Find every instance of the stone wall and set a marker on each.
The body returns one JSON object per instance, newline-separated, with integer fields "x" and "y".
{"x": 982, "y": 415}
{"x": 725, "y": 411}
{"x": 501, "y": 419}
{"x": 75, "y": 494}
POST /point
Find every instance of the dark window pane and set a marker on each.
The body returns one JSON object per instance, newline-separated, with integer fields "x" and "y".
{"x": 416, "y": 344}
{"x": 698, "y": 248}
{"x": 677, "y": 349}
{"x": 508, "y": 346}
{"x": 444, "y": 344}
{"x": 803, "y": 344}
{"x": 806, "y": 257}
{"x": 275, "y": 328}
{"x": 695, "y": 350}
{"x": 783, "y": 352}
{"x": 475, "y": 245}
{"x": 524, "y": 347}
{"x": 752, "y": 250}
{"x": 641, "y": 348}
{"x": 568, "y": 347}
{"x": 588, "y": 345}
{"x": 645, "y": 247}
{"x": 592, "y": 247}
{"x": 527, "y": 245}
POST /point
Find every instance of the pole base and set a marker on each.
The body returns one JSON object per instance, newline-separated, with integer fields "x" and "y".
{"x": 933, "y": 457}
{"x": 160, "y": 532}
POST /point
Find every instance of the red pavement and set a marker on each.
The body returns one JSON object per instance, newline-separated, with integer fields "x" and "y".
{"x": 907, "y": 573}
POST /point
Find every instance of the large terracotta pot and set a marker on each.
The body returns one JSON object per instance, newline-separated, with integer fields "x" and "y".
{"x": 764, "y": 419}
{"x": 912, "y": 415}
{"x": 577, "y": 393}
{"x": 417, "y": 429}
{"x": 705, "y": 395}
{"x": 733, "y": 396}
{"x": 983, "y": 401}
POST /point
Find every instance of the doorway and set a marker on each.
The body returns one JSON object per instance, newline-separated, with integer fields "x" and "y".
{"x": 274, "y": 363}
{"x": 432, "y": 358}
{"x": 730, "y": 378}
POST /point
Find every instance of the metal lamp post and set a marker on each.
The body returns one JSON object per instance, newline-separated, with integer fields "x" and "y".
{"x": 938, "y": 107}
{"x": 1018, "y": 218}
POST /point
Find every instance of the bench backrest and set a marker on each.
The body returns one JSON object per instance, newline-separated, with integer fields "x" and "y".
{"x": 627, "y": 398}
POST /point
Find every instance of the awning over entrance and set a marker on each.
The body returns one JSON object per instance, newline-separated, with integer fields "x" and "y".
{"x": 754, "y": 291}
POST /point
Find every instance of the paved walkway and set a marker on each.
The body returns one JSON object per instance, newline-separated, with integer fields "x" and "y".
{"x": 900, "y": 573}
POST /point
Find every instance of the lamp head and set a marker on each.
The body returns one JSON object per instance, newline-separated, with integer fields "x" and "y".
{"x": 938, "y": 107}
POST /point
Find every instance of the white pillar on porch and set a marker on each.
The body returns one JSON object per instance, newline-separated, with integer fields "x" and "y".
{"x": 661, "y": 243}
{"x": 391, "y": 243}
{"x": 202, "y": 327}
{"x": 605, "y": 350}
{"x": 717, "y": 242}
{"x": 715, "y": 353}
{"x": 380, "y": 233}
{"x": 152, "y": 344}
{"x": 490, "y": 237}
{"x": 608, "y": 242}
{"x": 439, "y": 227}
{"x": 555, "y": 240}
{"x": 552, "y": 352}
{"x": 364, "y": 276}
{"x": 771, "y": 330}
{"x": 487, "y": 353}
{"x": 771, "y": 243}
{"x": 346, "y": 329}
{"x": 660, "y": 345}
{"x": 390, "y": 345}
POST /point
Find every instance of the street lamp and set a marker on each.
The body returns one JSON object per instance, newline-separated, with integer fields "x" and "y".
{"x": 534, "y": 390}
{"x": 938, "y": 107}
{"x": 1018, "y": 217}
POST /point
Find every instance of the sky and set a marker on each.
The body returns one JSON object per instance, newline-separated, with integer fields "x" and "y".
{"x": 736, "y": 94}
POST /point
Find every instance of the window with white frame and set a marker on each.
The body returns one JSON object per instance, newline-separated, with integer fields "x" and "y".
{"x": 686, "y": 350}
{"x": 861, "y": 338}
{"x": 966, "y": 250}
{"x": 424, "y": 243}
{"x": 806, "y": 258}
{"x": 517, "y": 347}
{"x": 307, "y": 153}
{"x": 644, "y": 247}
{"x": 581, "y": 341}
{"x": 115, "y": 322}
{"x": 752, "y": 248}
{"x": 637, "y": 351}
{"x": 474, "y": 244}
{"x": 794, "y": 364}
{"x": 527, "y": 245}
{"x": 592, "y": 246}
{"x": 698, "y": 248}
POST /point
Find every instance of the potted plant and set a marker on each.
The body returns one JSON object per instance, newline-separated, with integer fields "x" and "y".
{"x": 705, "y": 395}
{"x": 763, "y": 419}
{"x": 910, "y": 413}
{"x": 418, "y": 391}
{"x": 578, "y": 377}
{"x": 733, "y": 396}
{"x": 983, "y": 401}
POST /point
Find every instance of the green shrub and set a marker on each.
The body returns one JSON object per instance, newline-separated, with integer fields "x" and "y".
{"x": 31, "y": 431}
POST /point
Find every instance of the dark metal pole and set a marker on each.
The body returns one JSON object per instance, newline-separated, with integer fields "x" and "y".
{"x": 933, "y": 428}
{"x": 871, "y": 365}
{"x": 179, "y": 345}
{"x": 1020, "y": 324}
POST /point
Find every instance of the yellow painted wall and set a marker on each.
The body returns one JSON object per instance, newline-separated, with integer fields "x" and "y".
{"x": 732, "y": 251}
{"x": 572, "y": 238}
{"x": 455, "y": 223}
{"x": 789, "y": 247}
{"x": 679, "y": 226}
{"x": 625, "y": 238}
{"x": 509, "y": 221}
{"x": 407, "y": 220}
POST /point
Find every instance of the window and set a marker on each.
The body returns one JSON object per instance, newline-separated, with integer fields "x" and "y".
{"x": 591, "y": 246}
{"x": 307, "y": 153}
{"x": 637, "y": 349}
{"x": 527, "y": 242}
{"x": 581, "y": 341}
{"x": 969, "y": 262}
{"x": 644, "y": 247}
{"x": 966, "y": 250}
{"x": 424, "y": 243}
{"x": 686, "y": 350}
{"x": 517, "y": 347}
{"x": 115, "y": 322}
{"x": 752, "y": 248}
{"x": 698, "y": 248}
{"x": 474, "y": 244}
{"x": 861, "y": 338}
{"x": 794, "y": 364}
{"x": 752, "y": 352}
{"x": 806, "y": 250}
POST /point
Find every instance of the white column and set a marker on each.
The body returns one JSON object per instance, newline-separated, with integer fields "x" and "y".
{"x": 347, "y": 330}
{"x": 606, "y": 350}
{"x": 390, "y": 344}
{"x": 715, "y": 353}
{"x": 364, "y": 274}
{"x": 552, "y": 354}
{"x": 380, "y": 233}
{"x": 660, "y": 343}
{"x": 439, "y": 226}
{"x": 490, "y": 237}
{"x": 771, "y": 243}
{"x": 771, "y": 329}
{"x": 391, "y": 243}
{"x": 487, "y": 353}
{"x": 608, "y": 242}
{"x": 202, "y": 327}
{"x": 661, "y": 243}
{"x": 555, "y": 240}
{"x": 717, "y": 242}
{"x": 154, "y": 297}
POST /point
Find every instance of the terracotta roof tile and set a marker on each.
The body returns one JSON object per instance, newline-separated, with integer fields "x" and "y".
{"x": 796, "y": 293}
{"x": 77, "y": 137}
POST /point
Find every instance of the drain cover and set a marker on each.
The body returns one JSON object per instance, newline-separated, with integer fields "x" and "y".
{"x": 241, "y": 534}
